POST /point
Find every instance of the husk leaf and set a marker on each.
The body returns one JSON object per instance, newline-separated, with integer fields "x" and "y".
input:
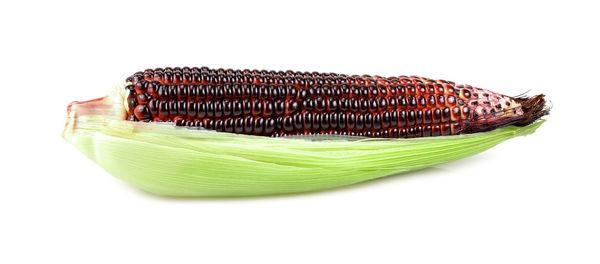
{"x": 167, "y": 160}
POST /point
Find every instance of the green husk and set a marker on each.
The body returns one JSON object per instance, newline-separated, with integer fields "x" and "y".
{"x": 171, "y": 161}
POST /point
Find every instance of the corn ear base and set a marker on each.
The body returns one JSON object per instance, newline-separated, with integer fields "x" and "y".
{"x": 171, "y": 161}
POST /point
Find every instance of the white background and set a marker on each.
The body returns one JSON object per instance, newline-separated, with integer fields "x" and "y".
{"x": 532, "y": 199}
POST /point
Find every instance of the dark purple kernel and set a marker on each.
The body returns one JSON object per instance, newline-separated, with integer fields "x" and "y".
{"x": 363, "y": 105}
{"x": 410, "y": 132}
{"x": 259, "y": 125}
{"x": 246, "y": 90}
{"x": 392, "y": 102}
{"x": 248, "y": 124}
{"x": 402, "y": 89}
{"x": 351, "y": 121}
{"x": 201, "y": 108}
{"x": 412, "y": 101}
{"x": 410, "y": 117}
{"x": 210, "y": 108}
{"x": 236, "y": 108}
{"x": 402, "y": 133}
{"x": 218, "y": 108}
{"x": 307, "y": 120}
{"x": 364, "y": 91}
{"x": 451, "y": 99}
{"x": 373, "y": 91}
{"x": 257, "y": 107}
{"x": 333, "y": 120}
{"x": 422, "y": 101}
{"x": 278, "y": 123}
{"x": 373, "y": 104}
{"x": 382, "y": 103}
{"x": 437, "y": 115}
{"x": 182, "y": 108}
{"x": 268, "y": 108}
{"x": 191, "y": 109}
{"x": 202, "y": 92}
{"x": 466, "y": 111}
{"x": 427, "y": 131}
{"x": 385, "y": 119}
{"x": 228, "y": 125}
{"x": 411, "y": 88}
{"x": 466, "y": 93}
{"x": 401, "y": 101}
{"x": 140, "y": 86}
{"x": 308, "y": 104}
{"x": 368, "y": 120}
{"x": 354, "y": 106}
{"x": 377, "y": 121}
{"x": 394, "y": 133}
{"x": 402, "y": 118}
{"x": 153, "y": 106}
{"x": 281, "y": 92}
{"x": 435, "y": 131}
{"x": 193, "y": 92}
{"x": 292, "y": 107}
{"x": 341, "y": 120}
{"x": 446, "y": 114}
{"x": 279, "y": 107}
{"x": 431, "y": 100}
{"x": 142, "y": 112}
{"x": 456, "y": 111}
{"x": 131, "y": 88}
{"x": 288, "y": 124}
{"x": 238, "y": 125}
{"x": 182, "y": 92}
{"x": 445, "y": 129}
{"x": 172, "y": 90}
{"x": 316, "y": 121}
{"x": 360, "y": 122}
{"x": 163, "y": 109}
{"x": 324, "y": 121}
{"x": 269, "y": 126}
{"x": 297, "y": 121}
{"x": 419, "y": 116}
{"x": 132, "y": 102}
{"x": 427, "y": 116}
{"x": 227, "y": 107}
{"x": 393, "y": 118}
{"x": 227, "y": 91}
{"x": 173, "y": 108}
{"x": 264, "y": 92}
{"x": 320, "y": 104}
{"x": 332, "y": 104}
{"x": 144, "y": 98}
{"x": 441, "y": 100}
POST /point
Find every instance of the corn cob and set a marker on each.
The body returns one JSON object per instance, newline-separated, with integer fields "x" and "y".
{"x": 270, "y": 103}
{"x": 158, "y": 157}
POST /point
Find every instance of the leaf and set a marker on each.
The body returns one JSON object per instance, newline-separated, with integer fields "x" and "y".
{"x": 172, "y": 161}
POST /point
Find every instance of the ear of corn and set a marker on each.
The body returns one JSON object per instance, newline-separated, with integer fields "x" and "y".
{"x": 270, "y": 103}
{"x": 173, "y": 161}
